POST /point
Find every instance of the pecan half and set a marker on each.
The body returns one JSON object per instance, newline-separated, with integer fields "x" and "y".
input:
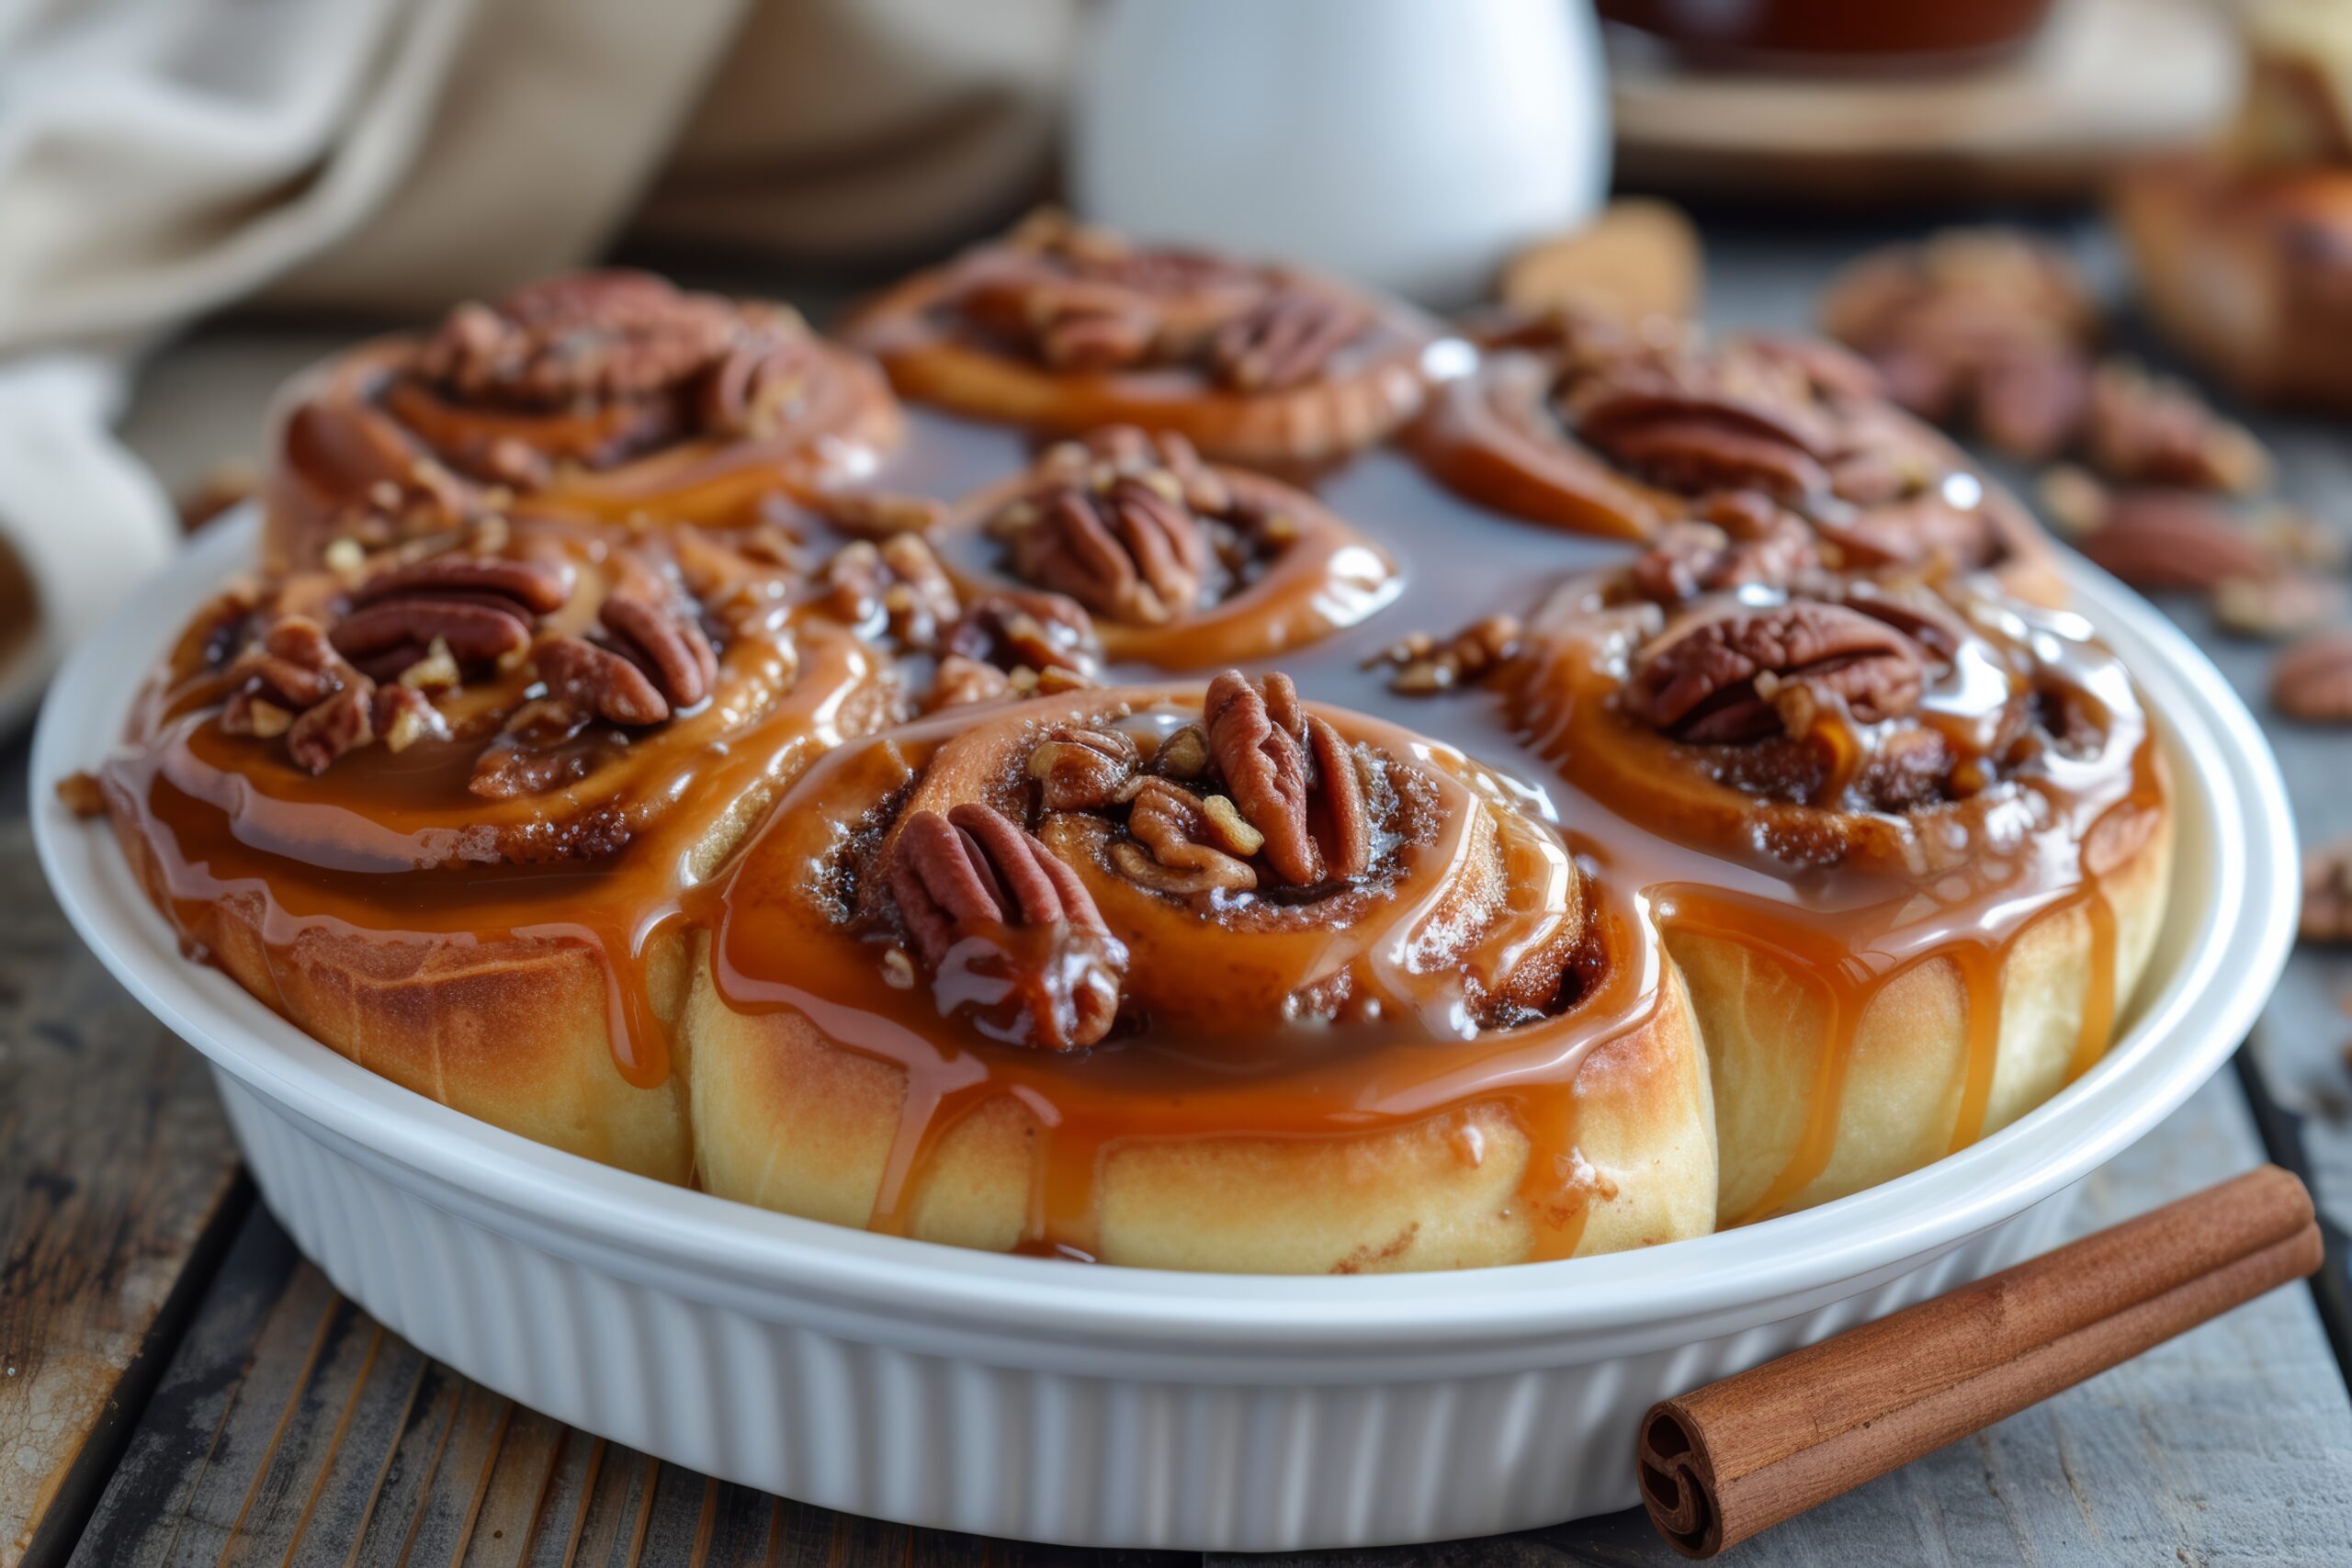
{"x": 1070, "y": 323}
{"x": 1131, "y": 551}
{"x": 1286, "y": 341}
{"x": 2171, "y": 539}
{"x": 1682, "y": 432}
{"x": 1715, "y": 682}
{"x": 481, "y": 608}
{"x": 664, "y": 639}
{"x": 969, "y": 887}
{"x": 1292, "y": 778}
{"x": 2312, "y": 680}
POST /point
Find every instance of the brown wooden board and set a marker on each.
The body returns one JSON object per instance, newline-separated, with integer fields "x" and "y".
{"x": 114, "y": 1161}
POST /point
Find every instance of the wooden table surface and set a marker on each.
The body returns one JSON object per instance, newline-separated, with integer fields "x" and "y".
{"x": 178, "y": 1386}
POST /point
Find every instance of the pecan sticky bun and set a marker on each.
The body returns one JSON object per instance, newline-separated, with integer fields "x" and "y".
{"x": 439, "y": 803}
{"x": 599, "y": 395}
{"x": 1918, "y": 841}
{"x": 1063, "y": 327}
{"x": 1607, "y": 428}
{"x": 1180, "y": 563}
{"x": 1135, "y": 945}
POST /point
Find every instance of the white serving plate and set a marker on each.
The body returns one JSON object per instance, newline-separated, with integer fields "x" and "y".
{"x": 1026, "y": 1397}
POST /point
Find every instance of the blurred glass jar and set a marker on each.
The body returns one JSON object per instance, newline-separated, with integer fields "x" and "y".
{"x": 1409, "y": 146}
{"x": 1854, "y": 35}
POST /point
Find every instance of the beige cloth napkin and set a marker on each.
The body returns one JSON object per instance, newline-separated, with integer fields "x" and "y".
{"x": 160, "y": 159}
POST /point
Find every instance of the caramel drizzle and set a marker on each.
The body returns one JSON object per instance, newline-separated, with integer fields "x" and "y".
{"x": 1639, "y": 881}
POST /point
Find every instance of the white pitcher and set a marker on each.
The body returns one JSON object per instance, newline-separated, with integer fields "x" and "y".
{"x": 1407, "y": 144}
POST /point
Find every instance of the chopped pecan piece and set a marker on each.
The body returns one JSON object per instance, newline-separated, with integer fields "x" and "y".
{"x": 1131, "y": 551}
{"x": 1178, "y": 848}
{"x": 83, "y": 794}
{"x": 294, "y": 684}
{"x": 899, "y": 579}
{"x": 959, "y": 681}
{"x": 1424, "y": 665}
{"x": 1083, "y": 768}
{"x": 1005, "y": 928}
{"x": 1014, "y": 631}
{"x": 1292, "y": 778}
{"x": 1714, "y": 683}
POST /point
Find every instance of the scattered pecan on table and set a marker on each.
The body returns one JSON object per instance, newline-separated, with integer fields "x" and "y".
{"x": 968, "y": 887}
{"x": 2313, "y": 679}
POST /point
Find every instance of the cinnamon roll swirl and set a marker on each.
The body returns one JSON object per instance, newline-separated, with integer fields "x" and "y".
{"x": 1063, "y": 327}
{"x": 1917, "y": 844}
{"x": 1205, "y": 980}
{"x": 1618, "y": 431}
{"x": 1180, "y": 564}
{"x": 599, "y": 395}
{"x": 437, "y": 803}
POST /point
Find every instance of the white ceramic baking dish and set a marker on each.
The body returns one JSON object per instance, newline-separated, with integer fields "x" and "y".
{"x": 1122, "y": 1407}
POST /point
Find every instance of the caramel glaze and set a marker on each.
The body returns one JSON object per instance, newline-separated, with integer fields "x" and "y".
{"x": 399, "y": 846}
{"x": 936, "y": 348}
{"x": 1308, "y": 572}
{"x": 1494, "y": 435}
{"x": 374, "y": 848}
{"x": 1468, "y": 883}
{"x": 362, "y": 421}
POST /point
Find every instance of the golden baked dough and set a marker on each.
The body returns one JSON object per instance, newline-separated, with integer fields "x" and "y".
{"x": 873, "y": 863}
{"x": 1290, "y": 1094}
{"x": 1964, "y": 791}
{"x": 437, "y": 807}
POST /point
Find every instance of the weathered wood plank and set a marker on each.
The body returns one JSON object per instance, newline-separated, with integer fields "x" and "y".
{"x": 114, "y": 1164}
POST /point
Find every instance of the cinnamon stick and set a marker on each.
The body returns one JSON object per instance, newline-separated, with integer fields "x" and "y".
{"x": 1738, "y": 1456}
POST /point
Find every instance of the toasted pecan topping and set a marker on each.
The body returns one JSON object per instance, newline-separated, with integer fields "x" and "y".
{"x": 959, "y": 882}
{"x": 1082, "y": 769}
{"x": 589, "y": 335}
{"x": 1715, "y": 682}
{"x": 293, "y": 683}
{"x": 1285, "y": 341}
{"x": 1289, "y": 775}
{"x": 1131, "y": 551}
{"x": 1737, "y": 540}
{"x": 1423, "y": 665}
{"x": 1179, "y": 848}
{"x": 665, "y": 639}
{"x": 481, "y": 609}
